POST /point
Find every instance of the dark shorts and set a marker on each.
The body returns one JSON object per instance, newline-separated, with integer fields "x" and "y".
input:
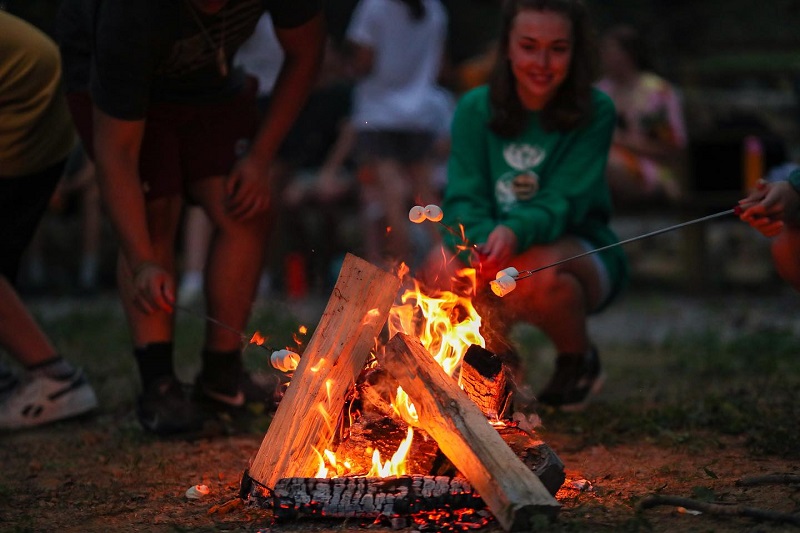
{"x": 183, "y": 143}
{"x": 403, "y": 146}
{"x": 23, "y": 201}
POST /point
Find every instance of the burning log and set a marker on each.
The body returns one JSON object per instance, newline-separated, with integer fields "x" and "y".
{"x": 362, "y": 497}
{"x": 306, "y": 419}
{"x": 484, "y": 380}
{"x": 384, "y": 434}
{"x": 513, "y": 493}
{"x": 537, "y": 455}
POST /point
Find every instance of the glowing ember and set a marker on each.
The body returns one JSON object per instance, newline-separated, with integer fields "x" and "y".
{"x": 258, "y": 339}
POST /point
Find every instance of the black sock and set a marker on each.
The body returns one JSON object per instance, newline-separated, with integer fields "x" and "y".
{"x": 55, "y": 368}
{"x": 154, "y": 361}
{"x": 222, "y": 370}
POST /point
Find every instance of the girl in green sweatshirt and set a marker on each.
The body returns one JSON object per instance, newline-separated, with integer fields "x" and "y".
{"x": 526, "y": 183}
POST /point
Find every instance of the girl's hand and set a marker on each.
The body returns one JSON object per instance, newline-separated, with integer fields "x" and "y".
{"x": 498, "y": 250}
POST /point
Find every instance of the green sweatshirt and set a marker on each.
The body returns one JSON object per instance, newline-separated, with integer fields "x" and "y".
{"x": 543, "y": 185}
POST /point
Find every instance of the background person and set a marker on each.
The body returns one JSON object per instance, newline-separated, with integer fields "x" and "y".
{"x": 36, "y": 136}
{"x": 526, "y": 181}
{"x": 398, "y": 48}
{"x": 648, "y": 150}
{"x": 166, "y": 117}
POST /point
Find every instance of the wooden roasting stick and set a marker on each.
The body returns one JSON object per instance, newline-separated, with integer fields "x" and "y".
{"x": 308, "y": 414}
{"x": 512, "y": 492}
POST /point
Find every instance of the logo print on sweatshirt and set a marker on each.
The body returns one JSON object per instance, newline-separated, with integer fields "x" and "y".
{"x": 521, "y": 183}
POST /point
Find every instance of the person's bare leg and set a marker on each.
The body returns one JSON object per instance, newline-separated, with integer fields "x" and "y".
{"x": 786, "y": 255}
{"x": 196, "y": 239}
{"x": 163, "y": 216}
{"x": 373, "y": 225}
{"x": 557, "y": 300}
{"x": 20, "y": 334}
{"x": 395, "y": 191}
{"x": 235, "y": 257}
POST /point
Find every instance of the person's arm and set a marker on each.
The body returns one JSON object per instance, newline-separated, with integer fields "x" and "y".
{"x": 248, "y": 186}
{"x": 117, "y": 145}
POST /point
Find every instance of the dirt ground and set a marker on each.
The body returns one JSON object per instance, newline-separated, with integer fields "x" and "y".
{"x": 103, "y": 474}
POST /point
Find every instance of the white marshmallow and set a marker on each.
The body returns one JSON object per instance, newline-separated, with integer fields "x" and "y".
{"x": 284, "y": 360}
{"x": 417, "y": 214}
{"x": 195, "y": 492}
{"x": 503, "y": 285}
{"x": 511, "y": 271}
{"x": 433, "y": 212}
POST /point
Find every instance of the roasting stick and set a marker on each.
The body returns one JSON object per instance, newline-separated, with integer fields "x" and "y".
{"x": 283, "y": 359}
{"x": 198, "y": 314}
{"x": 507, "y": 278}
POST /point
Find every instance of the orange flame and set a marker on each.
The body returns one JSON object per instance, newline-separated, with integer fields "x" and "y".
{"x": 396, "y": 466}
{"x": 258, "y": 339}
{"x": 446, "y": 324}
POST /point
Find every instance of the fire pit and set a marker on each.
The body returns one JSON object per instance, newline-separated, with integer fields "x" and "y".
{"x": 353, "y": 400}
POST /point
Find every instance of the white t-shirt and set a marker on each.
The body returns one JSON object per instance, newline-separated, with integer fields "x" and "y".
{"x": 261, "y": 55}
{"x": 407, "y": 58}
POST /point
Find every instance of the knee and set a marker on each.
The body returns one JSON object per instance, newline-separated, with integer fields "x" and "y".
{"x": 786, "y": 256}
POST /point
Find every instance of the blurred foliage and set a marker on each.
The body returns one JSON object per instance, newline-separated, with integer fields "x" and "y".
{"x": 679, "y": 31}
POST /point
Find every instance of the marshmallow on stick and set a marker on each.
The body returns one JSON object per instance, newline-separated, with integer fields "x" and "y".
{"x": 503, "y": 285}
{"x": 284, "y": 360}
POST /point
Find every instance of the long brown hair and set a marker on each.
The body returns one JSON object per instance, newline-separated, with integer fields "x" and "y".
{"x": 571, "y": 105}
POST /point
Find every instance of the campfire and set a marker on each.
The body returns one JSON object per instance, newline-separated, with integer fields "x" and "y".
{"x": 397, "y": 412}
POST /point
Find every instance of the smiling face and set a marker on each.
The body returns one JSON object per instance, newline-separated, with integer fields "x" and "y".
{"x": 540, "y": 52}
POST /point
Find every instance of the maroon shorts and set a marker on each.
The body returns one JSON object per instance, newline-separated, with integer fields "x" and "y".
{"x": 183, "y": 143}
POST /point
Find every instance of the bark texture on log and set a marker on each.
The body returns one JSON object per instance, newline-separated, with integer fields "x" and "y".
{"x": 307, "y": 417}
{"x": 514, "y": 494}
{"x": 484, "y": 380}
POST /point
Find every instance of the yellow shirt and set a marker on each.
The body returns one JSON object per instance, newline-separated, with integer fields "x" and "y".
{"x": 36, "y": 130}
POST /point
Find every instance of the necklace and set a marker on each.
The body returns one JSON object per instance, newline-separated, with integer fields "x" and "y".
{"x": 219, "y": 50}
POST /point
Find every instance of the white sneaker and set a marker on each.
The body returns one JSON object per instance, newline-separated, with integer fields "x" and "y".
{"x": 39, "y": 400}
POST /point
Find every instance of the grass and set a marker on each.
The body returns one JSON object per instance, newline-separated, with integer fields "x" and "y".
{"x": 689, "y": 388}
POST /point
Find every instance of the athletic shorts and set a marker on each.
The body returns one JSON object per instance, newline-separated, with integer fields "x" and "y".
{"x": 183, "y": 143}
{"x": 403, "y": 146}
{"x": 23, "y": 201}
{"x": 606, "y": 291}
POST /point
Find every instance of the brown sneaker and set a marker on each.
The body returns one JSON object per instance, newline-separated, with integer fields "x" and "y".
{"x": 576, "y": 379}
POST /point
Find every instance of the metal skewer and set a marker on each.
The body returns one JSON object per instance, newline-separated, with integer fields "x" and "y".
{"x": 735, "y": 211}
{"x": 247, "y": 339}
